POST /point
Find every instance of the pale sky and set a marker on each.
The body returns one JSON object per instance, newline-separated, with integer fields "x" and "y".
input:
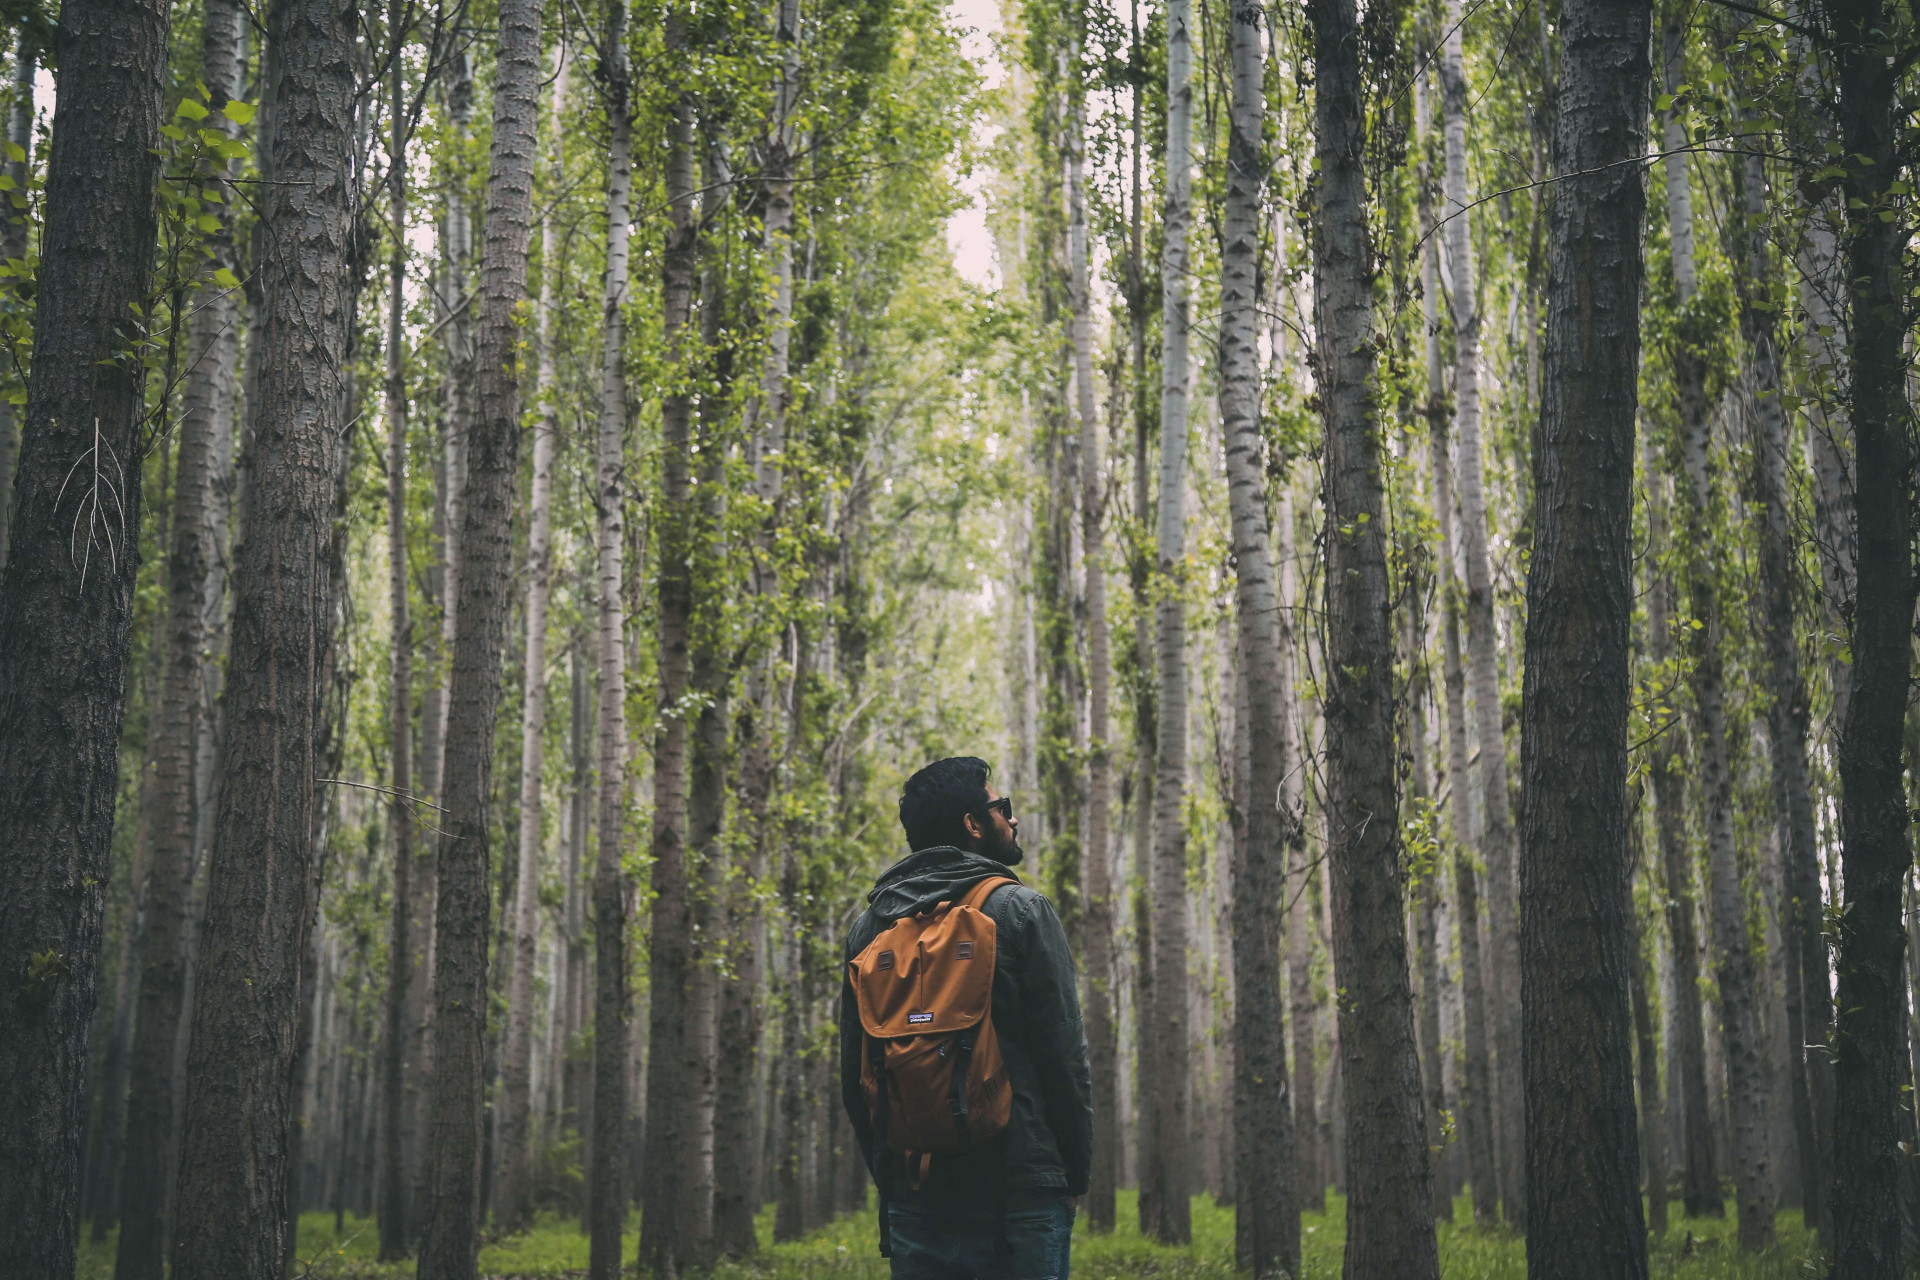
{"x": 967, "y": 236}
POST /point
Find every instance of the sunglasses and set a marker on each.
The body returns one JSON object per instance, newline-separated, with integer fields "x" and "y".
{"x": 1003, "y": 806}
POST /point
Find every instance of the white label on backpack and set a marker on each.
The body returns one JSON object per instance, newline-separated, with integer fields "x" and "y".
{"x": 919, "y": 1017}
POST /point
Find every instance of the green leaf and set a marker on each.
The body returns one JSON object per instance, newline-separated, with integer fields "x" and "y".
{"x": 225, "y": 278}
{"x": 173, "y": 131}
{"x": 239, "y": 112}
{"x": 207, "y": 223}
{"x": 16, "y": 153}
{"x": 191, "y": 110}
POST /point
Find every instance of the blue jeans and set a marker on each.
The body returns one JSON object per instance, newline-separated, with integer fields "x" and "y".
{"x": 1036, "y": 1244}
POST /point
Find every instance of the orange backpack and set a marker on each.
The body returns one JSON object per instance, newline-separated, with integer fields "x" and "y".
{"x": 932, "y": 1072}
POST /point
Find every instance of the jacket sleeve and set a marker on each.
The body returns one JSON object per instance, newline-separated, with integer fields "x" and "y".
{"x": 851, "y": 1045}
{"x": 1050, "y": 997}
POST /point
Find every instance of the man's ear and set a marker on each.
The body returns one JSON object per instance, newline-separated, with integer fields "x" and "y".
{"x": 972, "y": 825}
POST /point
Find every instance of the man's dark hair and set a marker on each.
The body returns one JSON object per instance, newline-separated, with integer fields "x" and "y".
{"x": 935, "y": 800}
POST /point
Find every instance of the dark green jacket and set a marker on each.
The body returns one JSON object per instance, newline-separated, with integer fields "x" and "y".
{"x": 1048, "y": 1145}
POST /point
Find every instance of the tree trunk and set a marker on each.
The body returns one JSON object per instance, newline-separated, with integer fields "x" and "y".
{"x": 1787, "y": 718}
{"x": 512, "y": 1202}
{"x": 13, "y": 244}
{"x": 1146, "y": 1097}
{"x": 669, "y": 1138}
{"x": 65, "y": 608}
{"x": 450, "y": 1248}
{"x": 1310, "y": 1188}
{"x": 1476, "y": 1083}
{"x": 1583, "y": 1158}
{"x": 1390, "y": 1205}
{"x": 1874, "y": 823}
{"x": 1653, "y": 1111}
{"x": 394, "y": 1233}
{"x": 241, "y": 1099}
{"x": 147, "y": 1176}
{"x": 1168, "y": 1156}
{"x": 1483, "y": 656}
{"x": 1700, "y": 1187}
{"x": 1102, "y": 1045}
{"x": 1264, "y": 1192}
{"x": 607, "y": 1193}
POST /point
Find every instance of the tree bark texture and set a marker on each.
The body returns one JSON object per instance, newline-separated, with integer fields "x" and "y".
{"x": 1310, "y": 1188}
{"x": 401, "y": 936}
{"x": 607, "y": 1193}
{"x": 1102, "y": 1030}
{"x": 1653, "y": 1111}
{"x": 1874, "y": 823}
{"x": 1265, "y": 1198}
{"x": 65, "y": 608}
{"x": 1583, "y": 1158}
{"x": 1168, "y": 1153}
{"x": 450, "y": 1250}
{"x": 1390, "y": 1204}
{"x": 206, "y": 413}
{"x": 1483, "y": 641}
{"x": 512, "y": 1200}
{"x": 242, "y": 1096}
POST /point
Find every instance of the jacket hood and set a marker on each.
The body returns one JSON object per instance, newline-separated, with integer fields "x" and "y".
{"x": 922, "y": 881}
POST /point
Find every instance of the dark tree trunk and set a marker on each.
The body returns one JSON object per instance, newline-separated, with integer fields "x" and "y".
{"x": 450, "y": 1248}
{"x": 147, "y": 1176}
{"x": 394, "y": 1235}
{"x": 246, "y": 1011}
{"x": 1390, "y": 1206}
{"x": 65, "y": 608}
{"x": 1653, "y": 1111}
{"x": 1265, "y": 1196}
{"x": 664, "y": 1246}
{"x": 1583, "y": 1159}
{"x": 1869, "y": 1034}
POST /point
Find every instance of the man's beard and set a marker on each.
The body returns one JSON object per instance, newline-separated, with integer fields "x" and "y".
{"x": 1007, "y": 853}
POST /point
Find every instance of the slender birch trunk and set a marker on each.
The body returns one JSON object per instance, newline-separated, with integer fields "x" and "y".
{"x": 1146, "y": 1097}
{"x": 1169, "y": 1155}
{"x": 1700, "y": 1187}
{"x": 1582, "y": 1152}
{"x": 1653, "y": 1111}
{"x": 1483, "y": 641}
{"x": 512, "y": 1195}
{"x": 1102, "y": 1044}
{"x": 394, "y": 1233}
{"x": 607, "y": 1194}
{"x": 1302, "y": 880}
{"x": 1265, "y": 1195}
{"x": 451, "y": 1247}
{"x": 1735, "y": 969}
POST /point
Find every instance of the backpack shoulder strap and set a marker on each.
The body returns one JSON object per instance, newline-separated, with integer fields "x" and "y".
{"x": 977, "y": 896}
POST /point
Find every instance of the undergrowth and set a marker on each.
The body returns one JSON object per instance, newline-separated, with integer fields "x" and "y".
{"x": 1695, "y": 1249}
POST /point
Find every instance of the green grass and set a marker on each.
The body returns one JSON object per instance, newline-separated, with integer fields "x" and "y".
{"x": 1694, "y": 1249}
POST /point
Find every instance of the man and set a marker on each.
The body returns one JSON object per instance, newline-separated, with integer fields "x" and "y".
{"x": 1002, "y": 1210}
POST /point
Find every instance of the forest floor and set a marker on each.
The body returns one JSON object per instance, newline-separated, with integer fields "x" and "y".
{"x": 1694, "y": 1249}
